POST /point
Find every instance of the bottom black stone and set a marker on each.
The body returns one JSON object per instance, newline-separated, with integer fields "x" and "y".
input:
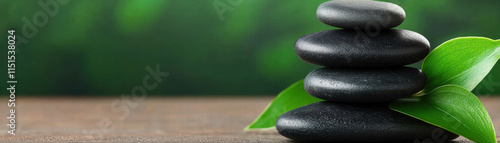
{"x": 338, "y": 122}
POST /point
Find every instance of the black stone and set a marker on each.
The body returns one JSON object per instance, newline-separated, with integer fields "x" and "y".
{"x": 360, "y": 14}
{"x": 348, "y": 48}
{"x": 328, "y": 121}
{"x": 364, "y": 85}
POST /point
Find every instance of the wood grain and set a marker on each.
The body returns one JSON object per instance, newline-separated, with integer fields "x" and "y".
{"x": 154, "y": 119}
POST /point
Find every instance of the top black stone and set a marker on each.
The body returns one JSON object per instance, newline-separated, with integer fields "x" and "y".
{"x": 360, "y": 14}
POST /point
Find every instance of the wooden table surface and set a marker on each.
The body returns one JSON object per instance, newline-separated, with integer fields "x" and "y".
{"x": 154, "y": 119}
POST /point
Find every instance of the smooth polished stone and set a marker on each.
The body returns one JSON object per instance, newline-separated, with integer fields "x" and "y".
{"x": 364, "y": 85}
{"x": 348, "y": 48}
{"x": 360, "y": 14}
{"x": 339, "y": 122}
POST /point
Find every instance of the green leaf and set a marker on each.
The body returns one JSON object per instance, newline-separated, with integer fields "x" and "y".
{"x": 291, "y": 98}
{"x": 453, "y": 108}
{"x": 462, "y": 61}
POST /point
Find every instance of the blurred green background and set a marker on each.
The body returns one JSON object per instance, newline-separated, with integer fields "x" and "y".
{"x": 103, "y": 47}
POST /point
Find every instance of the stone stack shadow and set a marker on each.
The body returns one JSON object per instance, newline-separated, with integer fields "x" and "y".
{"x": 364, "y": 70}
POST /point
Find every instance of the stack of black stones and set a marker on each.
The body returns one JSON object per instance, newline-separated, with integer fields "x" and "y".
{"x": 364, "y": 70}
